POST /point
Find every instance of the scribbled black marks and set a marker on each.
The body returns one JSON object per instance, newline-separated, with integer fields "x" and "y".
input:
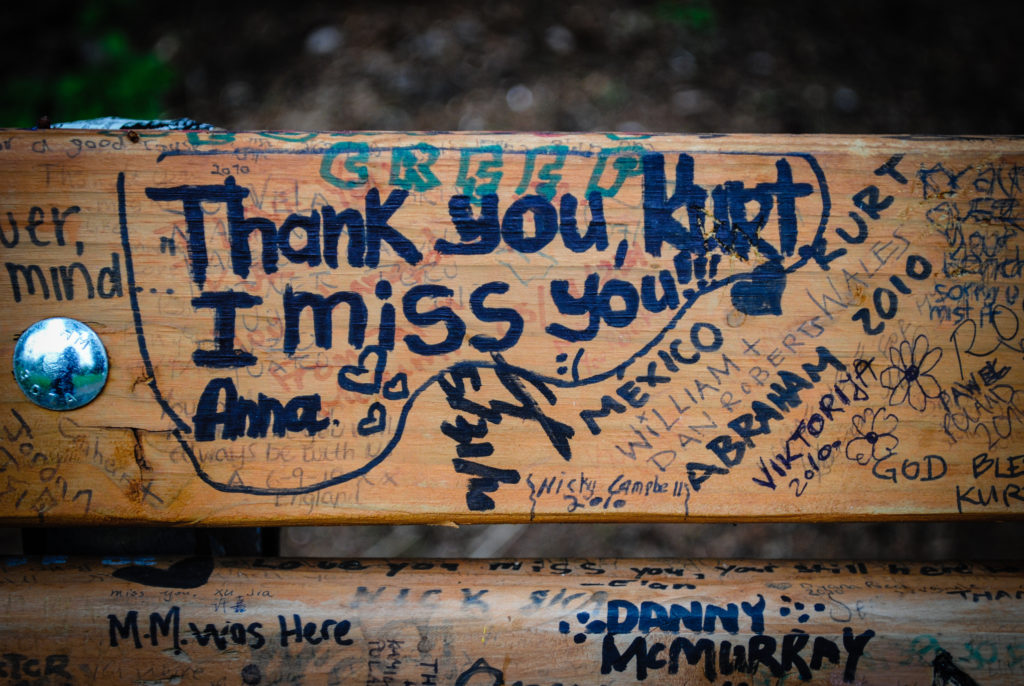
{"x": 763, "y": 293}
{"x": 733, "y": 231}
{"x": 487, "y": 478}
{"x": 874, "y": 443}
{"x": 371, "y": 386}
{"x": 241, "y": 416}
{"x": 374, "y": 422}
{"x": 945, "y": 673}
{"x": 876, "y": 436}
{"x": 251, "y": 675}
{"x": 909, "y": 377}
{"x": 798, "y": 607}
{"x": 779, "y": 657}
{"x": 736, "y": 231}
{"x": 192, "y": 572}
{"x": 486, "y": 675}
{"x": 225, "y": 305}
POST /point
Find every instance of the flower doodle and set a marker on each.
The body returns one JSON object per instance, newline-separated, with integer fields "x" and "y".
{"x": 908, "y": 376}
{"x": 876, "y": 439}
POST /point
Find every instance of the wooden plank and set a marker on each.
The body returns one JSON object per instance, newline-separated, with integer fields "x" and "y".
{"x": 512, "y": 622}
{"x": 517, "y": 327}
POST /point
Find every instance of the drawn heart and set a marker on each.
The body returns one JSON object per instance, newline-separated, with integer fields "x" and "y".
{"x": 397, "y": 388}
{"x": 366, "y": 387}
{"x": 374, "y": 420}
{"x": 192, "y": 572}
{"x": 762, "y": 294}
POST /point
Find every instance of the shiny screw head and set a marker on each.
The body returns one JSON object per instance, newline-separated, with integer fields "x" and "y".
{"x": 60, "y": 364}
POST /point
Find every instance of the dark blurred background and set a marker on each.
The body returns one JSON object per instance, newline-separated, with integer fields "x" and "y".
{"x": 663, "y": 65}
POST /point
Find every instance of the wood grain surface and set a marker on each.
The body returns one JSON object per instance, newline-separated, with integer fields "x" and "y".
{"x": 485, "y": 623}
{"x": 357, "y": 327}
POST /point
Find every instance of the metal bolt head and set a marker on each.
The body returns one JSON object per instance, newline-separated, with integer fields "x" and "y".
{"x": 60, "y": 364}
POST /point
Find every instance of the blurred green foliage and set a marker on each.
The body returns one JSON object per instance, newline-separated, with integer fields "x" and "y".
{"x": 101, "y": 74}
{"x": 695, "y": 15}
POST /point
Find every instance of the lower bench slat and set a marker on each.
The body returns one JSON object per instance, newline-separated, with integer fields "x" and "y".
{"x": 484, "y": 622}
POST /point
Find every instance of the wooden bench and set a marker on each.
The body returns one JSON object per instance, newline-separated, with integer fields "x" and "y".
{"x": 340, "y": 328}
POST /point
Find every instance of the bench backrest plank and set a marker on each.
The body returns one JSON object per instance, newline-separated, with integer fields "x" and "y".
{"x": 506, "y": 327}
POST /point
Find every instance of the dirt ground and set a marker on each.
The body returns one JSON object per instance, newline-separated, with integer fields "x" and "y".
{"x": 795, "y": 67}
